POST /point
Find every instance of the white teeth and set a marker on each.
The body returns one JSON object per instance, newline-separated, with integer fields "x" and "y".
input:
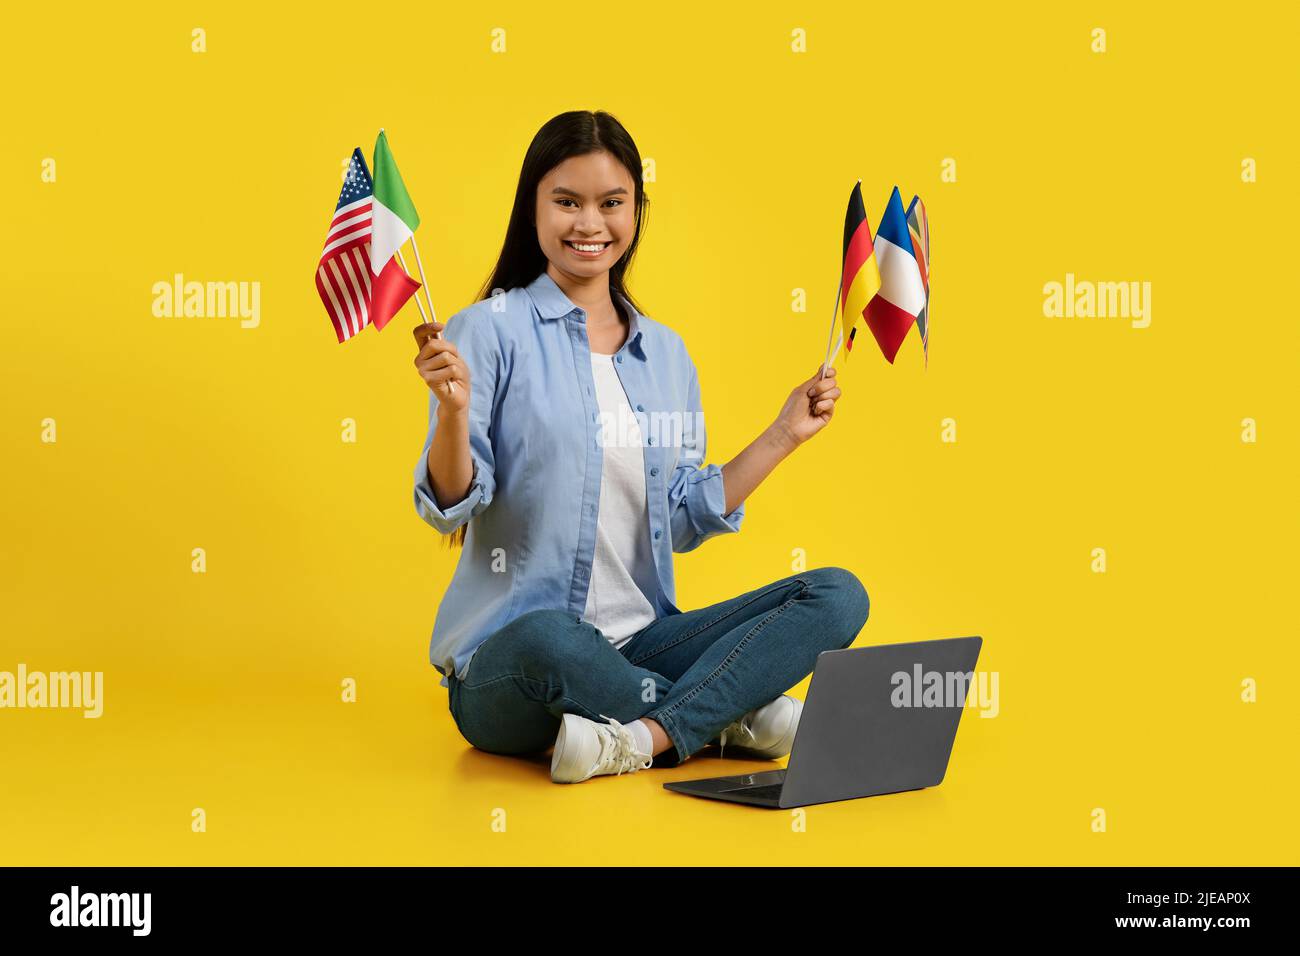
{"x": 588, "y": 248}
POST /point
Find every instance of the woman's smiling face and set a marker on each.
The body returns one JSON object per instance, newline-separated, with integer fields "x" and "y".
{"x": 586, "y": 214}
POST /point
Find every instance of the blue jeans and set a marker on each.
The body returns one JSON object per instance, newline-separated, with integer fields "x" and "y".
{"x": 693, "y": 672}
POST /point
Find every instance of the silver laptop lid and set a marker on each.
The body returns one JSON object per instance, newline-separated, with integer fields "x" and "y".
{"x": 879, "y": 719}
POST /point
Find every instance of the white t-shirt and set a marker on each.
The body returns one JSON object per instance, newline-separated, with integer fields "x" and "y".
{"x": 623, "y": 569}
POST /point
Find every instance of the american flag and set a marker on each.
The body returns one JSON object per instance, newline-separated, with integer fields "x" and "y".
{"x": 343, "y": 276}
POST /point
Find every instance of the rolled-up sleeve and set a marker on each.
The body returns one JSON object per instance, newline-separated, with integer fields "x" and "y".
{"x": 697, "y": 499}
{"x": 474, "y": 342}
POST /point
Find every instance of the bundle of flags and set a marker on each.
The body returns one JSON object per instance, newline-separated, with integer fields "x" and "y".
{"x": 361, "y": 278}
{"x": 885, "y": 278}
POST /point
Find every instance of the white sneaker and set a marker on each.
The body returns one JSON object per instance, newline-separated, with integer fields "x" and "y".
{"x": 767, "y": 732}
{"x": 585, "y": 748}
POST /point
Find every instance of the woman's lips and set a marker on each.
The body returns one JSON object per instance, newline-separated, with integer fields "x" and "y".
{"x": 581, "y": 254}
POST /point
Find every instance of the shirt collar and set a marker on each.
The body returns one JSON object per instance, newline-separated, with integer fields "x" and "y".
{"x": 552, "y": 303}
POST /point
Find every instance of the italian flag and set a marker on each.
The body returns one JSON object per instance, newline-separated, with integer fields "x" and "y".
{"x": 394, "y": 219}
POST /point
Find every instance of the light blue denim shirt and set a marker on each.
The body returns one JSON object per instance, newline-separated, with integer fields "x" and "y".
{"x": 536, "y": 439}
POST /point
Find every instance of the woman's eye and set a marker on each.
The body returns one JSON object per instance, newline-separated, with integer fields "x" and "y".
{"x": 615, "y": 201}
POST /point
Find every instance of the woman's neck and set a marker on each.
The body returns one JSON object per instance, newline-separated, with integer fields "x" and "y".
{"x": 591, "y": 295}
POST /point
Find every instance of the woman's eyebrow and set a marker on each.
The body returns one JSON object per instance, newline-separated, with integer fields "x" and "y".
{"x": 569, "y": 192}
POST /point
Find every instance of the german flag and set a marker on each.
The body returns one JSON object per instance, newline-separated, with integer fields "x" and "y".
{"x": 860, "y": 278}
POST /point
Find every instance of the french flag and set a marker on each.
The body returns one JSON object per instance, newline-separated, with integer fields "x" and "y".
{"x": 902, "y": 290}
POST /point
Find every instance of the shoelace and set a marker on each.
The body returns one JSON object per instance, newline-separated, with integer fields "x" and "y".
{"x": 741, "y": 725}
{"x": 618, "y": 749}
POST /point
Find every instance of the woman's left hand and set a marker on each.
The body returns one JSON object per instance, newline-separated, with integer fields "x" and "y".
{"x": 810, "y": 406}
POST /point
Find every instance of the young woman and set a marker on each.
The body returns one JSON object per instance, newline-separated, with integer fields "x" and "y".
{"x": 565, "y": 453}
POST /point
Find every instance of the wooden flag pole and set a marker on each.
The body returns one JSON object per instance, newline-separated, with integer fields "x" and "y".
{"x": 834, "y": 313}
{"x": 424, "y": 331}
{"x": 418, "y": 303}
{"x": 420, "y": 265}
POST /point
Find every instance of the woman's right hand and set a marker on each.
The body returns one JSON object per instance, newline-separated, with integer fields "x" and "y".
{"x": 440, "y": 365}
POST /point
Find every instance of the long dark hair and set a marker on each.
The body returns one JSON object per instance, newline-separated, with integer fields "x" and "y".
{"x": 575, "y": 133}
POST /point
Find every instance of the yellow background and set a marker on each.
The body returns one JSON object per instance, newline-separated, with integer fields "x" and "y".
{"x": 1118, "y": 691}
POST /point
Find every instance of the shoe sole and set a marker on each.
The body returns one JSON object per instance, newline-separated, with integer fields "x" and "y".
{"x": 563, "y": 756}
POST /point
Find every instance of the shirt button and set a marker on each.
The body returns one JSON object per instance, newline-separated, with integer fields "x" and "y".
{"x": 640, "y": 408}
{"x": 653, "y": 472}
{"x": 652, "y": 440}
{"x": 658, "y": 535}
{"x": 618, "y": 358}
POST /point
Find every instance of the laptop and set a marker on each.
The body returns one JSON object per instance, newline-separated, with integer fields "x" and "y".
{"x": 877, "y": 720}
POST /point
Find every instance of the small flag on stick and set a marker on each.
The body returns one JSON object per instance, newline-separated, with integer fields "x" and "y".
{"x": 395, "y": 217}
{"x": 357, "y": 287}
{"x": 902, "y": 293}
{"x": 918, "y": 225}
{"x": 859, "y": 275}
